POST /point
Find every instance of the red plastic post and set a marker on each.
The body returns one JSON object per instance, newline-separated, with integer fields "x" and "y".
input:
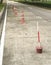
{"x": 38, "y": 36}
{"x": 22, "y": 17}
{"x": 22, "y": 20}
{"x": 39, "y": 47}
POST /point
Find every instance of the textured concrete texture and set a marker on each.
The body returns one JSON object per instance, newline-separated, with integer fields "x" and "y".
{"x": 21, "y": 38}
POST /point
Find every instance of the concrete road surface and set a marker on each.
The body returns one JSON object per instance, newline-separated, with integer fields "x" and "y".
{"x": 21, "y": 36}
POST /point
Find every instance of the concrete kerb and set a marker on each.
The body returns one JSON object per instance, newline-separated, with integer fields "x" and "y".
{"x": 2, "y": 14}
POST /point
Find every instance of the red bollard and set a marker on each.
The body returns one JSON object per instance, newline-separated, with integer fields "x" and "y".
{"x": 39, "y": 48}
{"x": 16, "y": 13}
{"x": 15, "y": 10}
{"x": 22, "y": 20}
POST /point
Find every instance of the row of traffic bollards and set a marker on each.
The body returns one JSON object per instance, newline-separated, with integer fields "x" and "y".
{"x": 39, "y": 48}
{"x": 22, "y": 20}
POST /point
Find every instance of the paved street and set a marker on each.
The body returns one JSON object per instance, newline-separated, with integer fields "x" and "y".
{"x": 44, "y": 13}
{"x": 21, "y": 36}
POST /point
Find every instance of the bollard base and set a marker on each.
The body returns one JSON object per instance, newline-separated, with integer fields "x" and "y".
{"x": 39, "y": 49}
